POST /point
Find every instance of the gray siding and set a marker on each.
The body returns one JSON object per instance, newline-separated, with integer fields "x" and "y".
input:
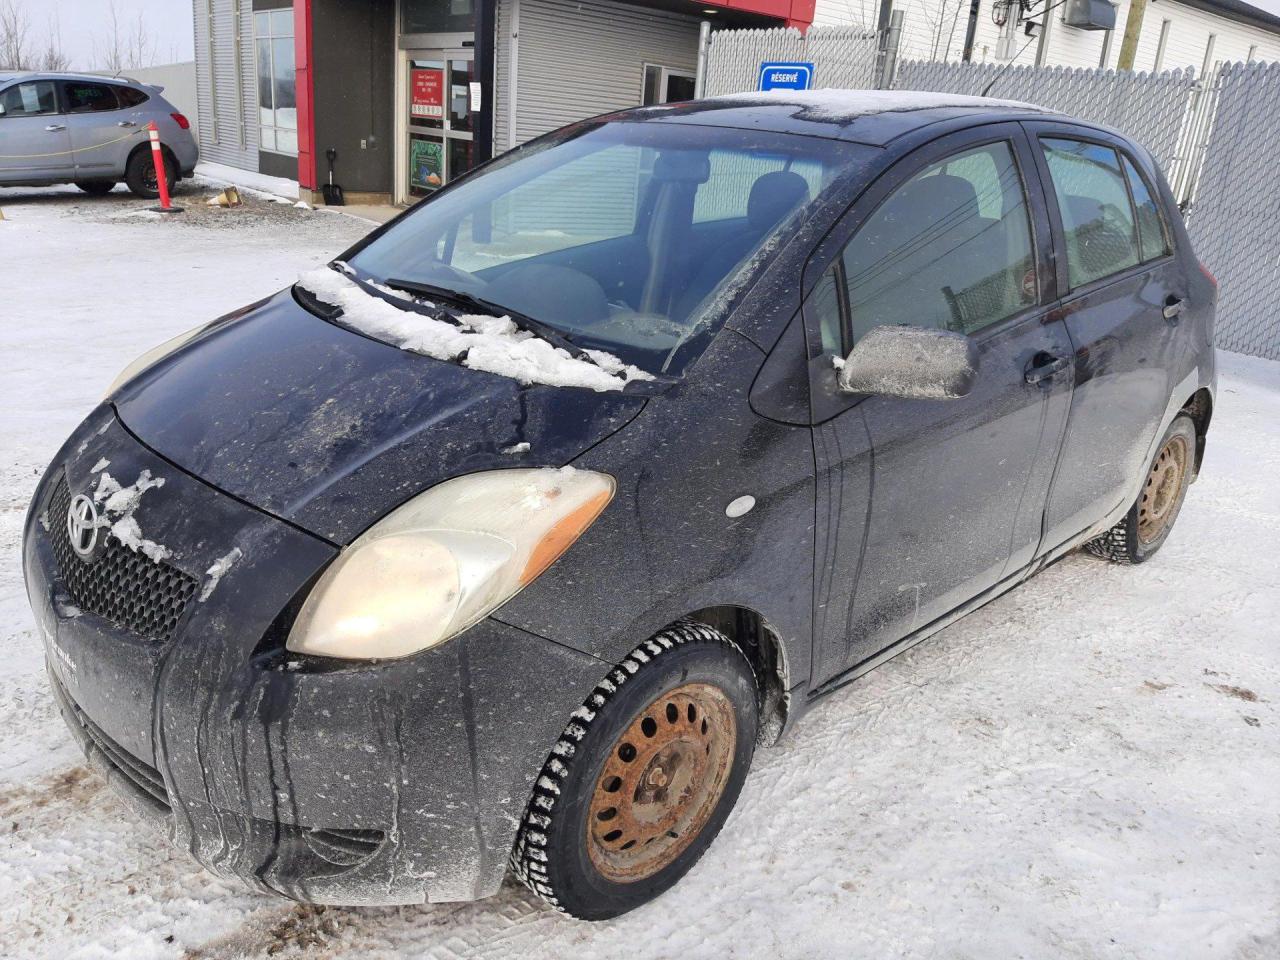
{"x": 226, "y": 82}
{"x": 579, "y": 59}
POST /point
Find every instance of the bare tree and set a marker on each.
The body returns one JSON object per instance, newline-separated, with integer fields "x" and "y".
{"x": 127, "y": 47}
{"x": 15, "y": 36}
{"x": 52, "y": 57}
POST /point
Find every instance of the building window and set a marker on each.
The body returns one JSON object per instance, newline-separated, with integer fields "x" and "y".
{"x": 277, "y": 102}
{"x": 666, "y": 84}
{"x": 437, "y": 16}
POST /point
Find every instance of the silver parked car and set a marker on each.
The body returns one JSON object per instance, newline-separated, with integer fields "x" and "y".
{"x": 90, "y": 131}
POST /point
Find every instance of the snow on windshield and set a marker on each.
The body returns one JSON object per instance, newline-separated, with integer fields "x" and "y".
{"x": 493, "y": 344}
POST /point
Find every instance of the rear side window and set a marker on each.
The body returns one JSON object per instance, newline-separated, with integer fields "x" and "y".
{"x": 31, "y": 99}
{"x": 129, "y": 97}
{"x": 1152, "y": 239}
{"x": 89, "y": 97}
{"x": 1101, "y": 232}
{"x": 949, "y": 249}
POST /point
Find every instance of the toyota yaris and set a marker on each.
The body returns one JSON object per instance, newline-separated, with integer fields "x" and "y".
{"x": 507, "y": 537}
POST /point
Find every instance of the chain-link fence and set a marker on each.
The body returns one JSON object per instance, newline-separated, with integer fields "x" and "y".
{"x": 843, "y": 57}
{"x": 1216, "y": 139}
{"x": 1233, "y": 221}
{"x": 1149, "y": 107}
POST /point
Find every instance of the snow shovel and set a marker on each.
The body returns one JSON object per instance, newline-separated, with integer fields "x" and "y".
{"x": 332, "y": 192}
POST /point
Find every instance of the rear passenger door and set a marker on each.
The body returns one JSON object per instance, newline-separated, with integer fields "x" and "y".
{"x": 925, "y": 504}
{"x": 102, "y": 132}
{"x": 33, "y": 133}
{"x": 1118, "y": 276}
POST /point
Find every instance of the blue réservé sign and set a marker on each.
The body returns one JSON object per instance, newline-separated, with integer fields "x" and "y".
{"x": 786, "y": 76}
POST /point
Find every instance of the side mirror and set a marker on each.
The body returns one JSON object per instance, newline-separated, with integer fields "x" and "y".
{"x": 911, "y": 362}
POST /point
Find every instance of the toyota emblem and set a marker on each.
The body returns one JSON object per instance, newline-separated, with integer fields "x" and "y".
{"x": 82, "y": 526}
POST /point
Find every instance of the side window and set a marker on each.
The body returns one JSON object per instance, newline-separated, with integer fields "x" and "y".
{"x": 89, "y": 97}
{"x": 32, "y": 99}
{"x": 949, "y": 249}
{"x": 129, "y": 97}
{"x": 824, "y": 303}
{"x": 1101, "y": 232}
{"x": 1152, "y": 239}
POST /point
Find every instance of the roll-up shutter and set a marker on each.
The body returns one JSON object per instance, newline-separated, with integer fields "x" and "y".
{"x": 579, "y": 59}
{"x": 226, "y": 82}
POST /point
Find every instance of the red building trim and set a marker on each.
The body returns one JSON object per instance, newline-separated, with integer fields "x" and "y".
{"x": 306, "y": 99}
{"x": 795, "y": 13}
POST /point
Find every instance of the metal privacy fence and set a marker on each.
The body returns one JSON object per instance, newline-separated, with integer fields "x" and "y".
{"x": 843, "y": 57}
{"x": 1149, "y": 107}
{"x": 1233, "y": 221}
{"x": 1215, "y": 138}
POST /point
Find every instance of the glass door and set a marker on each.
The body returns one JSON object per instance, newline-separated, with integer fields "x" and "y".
{"x": 439, "y": 118}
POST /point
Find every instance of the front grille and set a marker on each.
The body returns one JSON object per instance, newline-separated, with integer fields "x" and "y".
{"x": 144, "y": 777}
{"x": 120, "y": 585}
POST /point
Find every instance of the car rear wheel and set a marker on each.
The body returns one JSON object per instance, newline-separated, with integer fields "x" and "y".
{"x": 96, "y": 188}
{"x": 643, "y": 777}
{"x": 1146, "y": 526}
{"x": 140, "y": 175}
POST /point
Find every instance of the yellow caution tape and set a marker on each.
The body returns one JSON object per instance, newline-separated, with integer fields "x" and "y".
{"x": 64, "y": 153}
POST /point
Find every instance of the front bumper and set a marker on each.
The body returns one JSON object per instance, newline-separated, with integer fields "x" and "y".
{"x": 382, "y": 783}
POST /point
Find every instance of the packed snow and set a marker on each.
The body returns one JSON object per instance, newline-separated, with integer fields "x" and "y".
{"x": 492, "y": 344}
{"x": 119, "y": 504}
{"x": 830, "y": 105}
{"x": 1084, "y": 768}
{"x": 218, "y": 570}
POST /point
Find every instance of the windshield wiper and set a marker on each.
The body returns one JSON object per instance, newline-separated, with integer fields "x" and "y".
{"x": 471, "y": 302}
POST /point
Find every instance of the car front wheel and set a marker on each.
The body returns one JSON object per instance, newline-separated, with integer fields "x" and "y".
{"x": 1146, "y": 526}
{"x": 643, "y": 777}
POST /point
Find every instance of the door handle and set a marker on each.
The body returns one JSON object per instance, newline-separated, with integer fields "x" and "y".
{"x": 55, "y": 127}
{"x": 1173, "y": 307}
{"x": 1043, "y": 366}
{"x": 126, "y": 123}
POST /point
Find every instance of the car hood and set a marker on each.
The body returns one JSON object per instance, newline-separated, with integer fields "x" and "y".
{"x": 331, "y": 430}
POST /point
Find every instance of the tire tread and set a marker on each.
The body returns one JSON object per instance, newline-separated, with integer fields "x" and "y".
{"x": 528, "y": 855}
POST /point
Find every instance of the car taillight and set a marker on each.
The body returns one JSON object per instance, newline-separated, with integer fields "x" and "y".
{"x": 181, "y": 121}
{"x": 1209, "y": 275}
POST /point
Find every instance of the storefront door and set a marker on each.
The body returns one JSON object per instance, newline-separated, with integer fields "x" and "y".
{"x": 438, "y": 121}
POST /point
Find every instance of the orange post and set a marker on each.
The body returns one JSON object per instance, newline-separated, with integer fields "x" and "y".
{"x": 162, "y": 181}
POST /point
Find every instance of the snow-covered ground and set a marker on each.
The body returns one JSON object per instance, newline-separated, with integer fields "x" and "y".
{"x": 1088, "y": 767}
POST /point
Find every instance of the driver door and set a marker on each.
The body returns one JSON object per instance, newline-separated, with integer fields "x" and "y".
{"x": 929, "y": 503}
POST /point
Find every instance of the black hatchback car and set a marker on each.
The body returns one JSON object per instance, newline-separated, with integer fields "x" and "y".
{"x": 508, "y": 537}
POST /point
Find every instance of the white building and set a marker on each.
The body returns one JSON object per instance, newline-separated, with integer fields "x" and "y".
{"x": 1175, "y": 33}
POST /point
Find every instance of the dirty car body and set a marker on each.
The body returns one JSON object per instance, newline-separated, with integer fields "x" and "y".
{"x": 822, "y": 528}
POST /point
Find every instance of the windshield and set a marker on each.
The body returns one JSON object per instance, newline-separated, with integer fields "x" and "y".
{"x": 618, "y": 238}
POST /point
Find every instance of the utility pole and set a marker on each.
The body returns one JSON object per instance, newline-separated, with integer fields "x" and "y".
{"x": 1132, "y": 29}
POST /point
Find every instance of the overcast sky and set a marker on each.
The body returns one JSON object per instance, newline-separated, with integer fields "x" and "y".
{"x": 168, "y": 24}
{"x": 84, "y": 23}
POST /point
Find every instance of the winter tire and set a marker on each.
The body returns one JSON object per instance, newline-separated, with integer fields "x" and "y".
{"x": 140, "y": 174}
{"x": 96, "y": 188}
{"x": 643, "y": 777}
{"x": 1146, "y": 526}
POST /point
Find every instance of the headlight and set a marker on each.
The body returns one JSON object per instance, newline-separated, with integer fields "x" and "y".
{"x": 151, "y": 356}
{"x": 446, "y": 559}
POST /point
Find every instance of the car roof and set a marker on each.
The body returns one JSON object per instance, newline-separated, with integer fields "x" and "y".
{"x": 57, "y": 75}
{"x": 873, "y": 117}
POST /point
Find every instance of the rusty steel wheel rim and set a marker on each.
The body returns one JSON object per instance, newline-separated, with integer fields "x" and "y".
{"x": 663, "y": 779}
{"x": 1160, "y": 493}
